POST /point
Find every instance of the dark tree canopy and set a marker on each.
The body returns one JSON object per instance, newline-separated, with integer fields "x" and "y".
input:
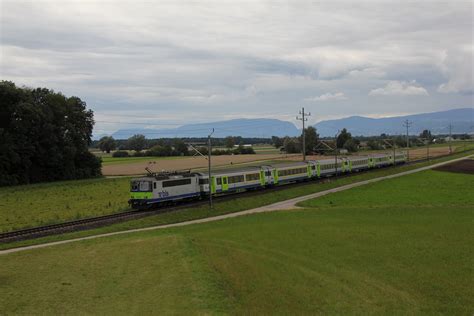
{"x": 291, "y": 145}
{"x": 44, "y": 136}
{"x": 311, "y": 139}
{"x": 343, "y": 137}
{"x": 137, "y": 142}
{"x": 277, "y": 141}
{"x": 107, "y": 143}
{"x": 229, "y": 142}
{"x": 426, "y": 134}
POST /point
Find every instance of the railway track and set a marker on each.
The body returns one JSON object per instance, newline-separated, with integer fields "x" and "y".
{"x": 101, "y": 221}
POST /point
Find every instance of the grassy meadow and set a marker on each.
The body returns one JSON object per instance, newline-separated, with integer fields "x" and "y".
{"x": 401, "y": 246}
{"x": 46, "y": 203}
{"x": 41, "y": 204}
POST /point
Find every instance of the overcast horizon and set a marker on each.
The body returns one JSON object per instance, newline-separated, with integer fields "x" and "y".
{"x": 175, "y": 63}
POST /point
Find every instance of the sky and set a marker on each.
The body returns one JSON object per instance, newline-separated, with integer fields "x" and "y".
{"x": 167, "y": 63}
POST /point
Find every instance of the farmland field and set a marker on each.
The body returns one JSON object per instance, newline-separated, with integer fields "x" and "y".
{"x": 401, "y": 246}
{"x": 107, "y": 161}
{"x": 180, "y": 163}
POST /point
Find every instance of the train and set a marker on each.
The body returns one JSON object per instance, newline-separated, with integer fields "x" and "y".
{"x": 164, "y": 188}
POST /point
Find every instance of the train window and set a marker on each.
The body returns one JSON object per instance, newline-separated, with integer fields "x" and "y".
{"x": 268, "y": 173}
{"x": 236, "y": 179}
{"x": 154, "y": 185}
{"x": 224, "y": 180}
{"x": 174, "y": 183}
{"x": 252, "y": 177}
{"x": 141, "y": 186}
{"x": 134, "y": 186}
{"x": 218, "y": 181}
{"x": 203, "y": 181}
{"x": 313, "y": 167}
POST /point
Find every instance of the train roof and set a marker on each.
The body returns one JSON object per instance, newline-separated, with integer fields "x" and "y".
{"x": 249, "y": 169}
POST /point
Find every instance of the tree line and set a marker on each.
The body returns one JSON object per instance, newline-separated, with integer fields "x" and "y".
{"x": 44, "y": 136}
{"x": 314, "y": 144}
{"x": 143, "y": 147}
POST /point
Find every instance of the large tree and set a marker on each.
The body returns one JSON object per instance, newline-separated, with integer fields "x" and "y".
{"x": 343, "y": 137}
{"x": 107, "y": 143}
{"x": 136, "y": 142}
{"x": 311, "y": 139}
{"x": 44, "y": 136}
{"x": 426, "y": 134}
{"x": 229, "y": 142}
{"x": 291, "y": 145}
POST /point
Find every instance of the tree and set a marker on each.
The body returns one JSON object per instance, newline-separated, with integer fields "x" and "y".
{"x": 277, "y": 141}
{"x": 291, "y": 145}
{"x": 426, "y": 134}
{"x": 44, "y": 136}
{"x": 136, "y": 142}
{"x": 343, "y": 137}
{"x": 311, "y": 139}
{"x": 351, "y": 145}
{"x": 107, "y": 143}
{"x": 180, "y": 148}
{"x": 229, "y": 142}
{"x": 373, "y": 144}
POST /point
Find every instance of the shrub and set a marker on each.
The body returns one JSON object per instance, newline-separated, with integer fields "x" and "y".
{"x": 120, "y": 153}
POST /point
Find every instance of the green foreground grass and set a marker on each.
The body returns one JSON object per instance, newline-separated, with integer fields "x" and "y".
{"x": 21, "y": 211}
{"x": 401, "y": 246}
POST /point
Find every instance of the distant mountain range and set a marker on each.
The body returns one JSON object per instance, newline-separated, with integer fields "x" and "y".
{"x": 239, "y": 127}
{"x": 438, "y": 122}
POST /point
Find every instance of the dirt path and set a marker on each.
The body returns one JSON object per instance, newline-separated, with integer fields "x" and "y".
{"x": 284, "y": 205}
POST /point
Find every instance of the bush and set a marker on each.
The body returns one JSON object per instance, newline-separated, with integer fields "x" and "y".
{"x": 120, "y": 153}
{"x": 160, "y": 151}
{"x": 139, "y": 154}
{"x": 241, "y": 150}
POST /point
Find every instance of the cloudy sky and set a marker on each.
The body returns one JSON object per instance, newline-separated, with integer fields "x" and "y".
{"x": 175, "y": 62}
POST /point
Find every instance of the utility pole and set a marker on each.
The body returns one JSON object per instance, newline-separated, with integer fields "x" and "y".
{"x": 335, "y": 150}
{"x": 407, "y": 124}
{"x": 428, "y": 148}
{"x": 450, "y": 130}
{"x": 303, "y": 119}
{"x": 209, "y": 153}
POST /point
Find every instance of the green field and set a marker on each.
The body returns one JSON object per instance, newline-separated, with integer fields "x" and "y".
{"x": 401, "y": 246}
{"x": 40, "y": 204}
{"x": 46, "y": 203}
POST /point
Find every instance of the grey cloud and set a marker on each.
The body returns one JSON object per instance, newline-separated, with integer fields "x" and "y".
{"x": 176, "y": 59}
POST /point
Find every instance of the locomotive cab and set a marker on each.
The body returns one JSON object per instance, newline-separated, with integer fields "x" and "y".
{"x": 141, "y": 190}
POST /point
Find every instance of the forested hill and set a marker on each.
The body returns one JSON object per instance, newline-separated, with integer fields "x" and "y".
{"x": 44, "y": 136}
